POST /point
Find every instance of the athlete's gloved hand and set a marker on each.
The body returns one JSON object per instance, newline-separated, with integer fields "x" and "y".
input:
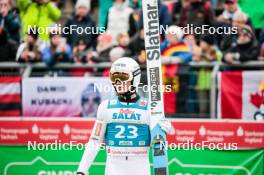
{"x": 166, "y": 126}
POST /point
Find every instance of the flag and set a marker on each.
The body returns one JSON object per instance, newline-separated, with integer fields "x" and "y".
{"x": 240, "y": 94}
{"x": 10, "y": 96}
{"x": 170, "y": 74}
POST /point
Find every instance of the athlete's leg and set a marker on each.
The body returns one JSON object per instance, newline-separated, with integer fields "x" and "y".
{"x": 121, "y": 165}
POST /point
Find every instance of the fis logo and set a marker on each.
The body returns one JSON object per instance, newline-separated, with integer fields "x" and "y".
{"x": 126, "y": 114}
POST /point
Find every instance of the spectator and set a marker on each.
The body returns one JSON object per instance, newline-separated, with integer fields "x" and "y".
{"x": 136, "y": 5}
{"x": 82, "y": 20}
{"x": 232, "y": 11}
{"x": 57, "y": 50}
{"x": 115, "y": 53}
{"x": 239, "y": 21}
{"x": 206, "y": 52}
{"x": 137, "y": 46}
{"x": 28, "y": 51}
{"x": 196, "y": 12}
{"x": 165, "y": 18}
{"x": 123, "y": 41}
{"x": 103, "y": 48}
{"x": 174, "y": 46}
{"x": 10, "y": 20}
{"x": 231, "y": 8}
{"x": 8, "y": 48}
{"x": 190, "y": 41}
{"x": 246, "y": 48}
{"x": 120, "y": 19}
{"x": 185, "y": 5}
{"x": 38, "y": 13}
{"x": 81, "y": 53}
{"x": 94, "y": 12}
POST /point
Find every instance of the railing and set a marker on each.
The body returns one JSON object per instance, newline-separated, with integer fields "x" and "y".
{"x": 26, "y": 69}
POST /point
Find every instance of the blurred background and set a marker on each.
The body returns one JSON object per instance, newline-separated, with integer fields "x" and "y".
{"x": 54, "y": 74}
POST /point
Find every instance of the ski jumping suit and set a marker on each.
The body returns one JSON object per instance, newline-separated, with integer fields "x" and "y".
{"x": 126, "y": 131}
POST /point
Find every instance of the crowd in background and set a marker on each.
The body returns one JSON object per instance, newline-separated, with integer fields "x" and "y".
{"x": 124, "y": 35}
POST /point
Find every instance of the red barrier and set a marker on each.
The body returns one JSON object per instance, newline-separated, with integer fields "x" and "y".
{"x": 50, "y": 130}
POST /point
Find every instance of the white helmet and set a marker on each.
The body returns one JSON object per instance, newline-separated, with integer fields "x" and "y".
{"x": 129, "y": 66}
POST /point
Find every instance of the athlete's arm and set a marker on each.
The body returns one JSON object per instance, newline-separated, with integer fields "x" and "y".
{"x": 94, "y": 144}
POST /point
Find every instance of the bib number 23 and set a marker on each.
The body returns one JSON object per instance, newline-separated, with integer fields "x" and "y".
{"x": 129, "y": 132}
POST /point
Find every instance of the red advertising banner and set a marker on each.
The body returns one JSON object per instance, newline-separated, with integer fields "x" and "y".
{"x": 231, "y": 133}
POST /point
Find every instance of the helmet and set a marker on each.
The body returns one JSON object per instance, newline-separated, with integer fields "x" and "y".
{"x": 128, "y": 66}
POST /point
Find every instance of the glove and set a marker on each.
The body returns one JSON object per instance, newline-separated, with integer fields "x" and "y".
{"x": 166, "y": 126}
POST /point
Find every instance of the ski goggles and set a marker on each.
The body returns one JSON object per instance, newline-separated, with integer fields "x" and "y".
{"x": 120, "y": 76}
